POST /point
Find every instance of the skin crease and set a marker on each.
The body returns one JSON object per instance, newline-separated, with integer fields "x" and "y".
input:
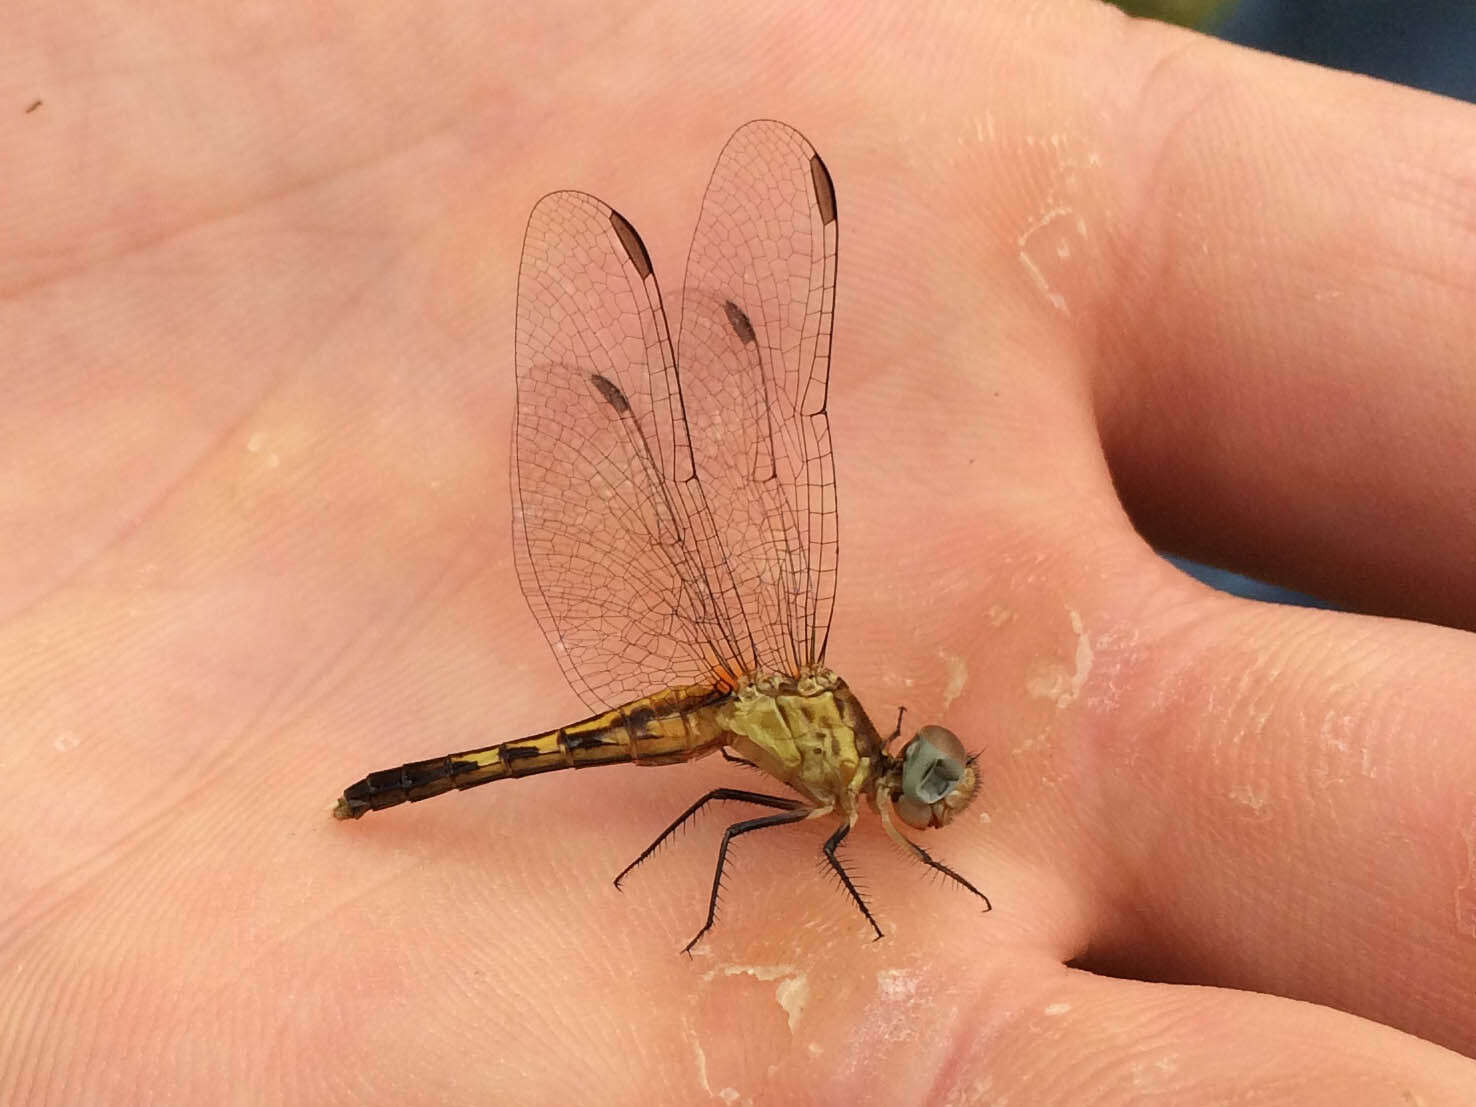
{"x": 258, "y": 270}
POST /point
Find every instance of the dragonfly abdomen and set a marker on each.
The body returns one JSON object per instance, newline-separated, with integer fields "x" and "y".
{"x": 672, "y": 726}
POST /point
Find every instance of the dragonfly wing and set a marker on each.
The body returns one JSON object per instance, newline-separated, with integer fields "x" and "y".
{"x": 754, "y": 352}
{"x": 612, "y": 546}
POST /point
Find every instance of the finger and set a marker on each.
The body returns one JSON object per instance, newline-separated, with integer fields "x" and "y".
{"x": 1288, "y": 387}
{"x": 1081, "y": 1039}
{"x": 1288, "y": 798}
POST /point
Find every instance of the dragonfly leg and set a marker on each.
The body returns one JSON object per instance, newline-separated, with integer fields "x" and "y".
{"x": 840, "y": 870}
{"x": 737, "y": 794}
{"x": 885, "y": 809}
{"x": 897, "y": 730}
{"x": 798, "y": 814}
{"x": 735, "y": 759}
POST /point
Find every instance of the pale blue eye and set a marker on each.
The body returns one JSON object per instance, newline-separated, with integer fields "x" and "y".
{"x": 932, "y": 765}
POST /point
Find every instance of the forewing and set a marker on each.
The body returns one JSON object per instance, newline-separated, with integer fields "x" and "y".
{"x": 604, "y": 542}
{"x": 754, "y": 353}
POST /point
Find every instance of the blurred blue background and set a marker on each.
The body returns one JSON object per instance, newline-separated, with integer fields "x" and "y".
{"x": 1429, "y": 44}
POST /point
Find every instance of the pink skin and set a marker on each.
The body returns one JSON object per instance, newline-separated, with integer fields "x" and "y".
{"x": 256, "y": 325}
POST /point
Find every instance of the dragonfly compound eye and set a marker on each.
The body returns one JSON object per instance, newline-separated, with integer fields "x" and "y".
{"x": 937, "y": 779}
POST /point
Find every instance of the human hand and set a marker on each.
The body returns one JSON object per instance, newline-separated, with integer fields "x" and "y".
{"x": 258, "y": 348}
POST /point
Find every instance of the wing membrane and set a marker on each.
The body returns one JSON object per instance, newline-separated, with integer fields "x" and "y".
{"x": 673, "y": 531}
{"x": 611, "y": 552}
{"x": 754, "y": 351}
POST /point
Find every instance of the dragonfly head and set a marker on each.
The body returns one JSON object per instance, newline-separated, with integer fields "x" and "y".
{"x": 934, "y": 779}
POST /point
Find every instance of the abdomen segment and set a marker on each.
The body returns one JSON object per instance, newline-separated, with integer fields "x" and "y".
{"x": 674, "y": 725}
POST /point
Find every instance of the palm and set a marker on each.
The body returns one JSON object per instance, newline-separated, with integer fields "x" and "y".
{"x": 258, "y": 542}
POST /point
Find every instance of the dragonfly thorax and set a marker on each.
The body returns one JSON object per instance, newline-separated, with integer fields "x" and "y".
{"x": 813, "y": 681}
{"x": 808, "y": 731}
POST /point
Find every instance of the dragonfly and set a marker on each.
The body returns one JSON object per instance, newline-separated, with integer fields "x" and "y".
{"x": 675, "y": 518}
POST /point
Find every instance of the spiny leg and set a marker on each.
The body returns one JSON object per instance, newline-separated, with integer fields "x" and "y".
{"x": 735, "y": 759}
{"x": 835, "y": 840}
{"x": 937, "y": 866}
{"x": 716, "y": 794}
{"x": 799, "y": 814}
{"x": 897, "y": 730}
{"x": 884, "y": 806}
